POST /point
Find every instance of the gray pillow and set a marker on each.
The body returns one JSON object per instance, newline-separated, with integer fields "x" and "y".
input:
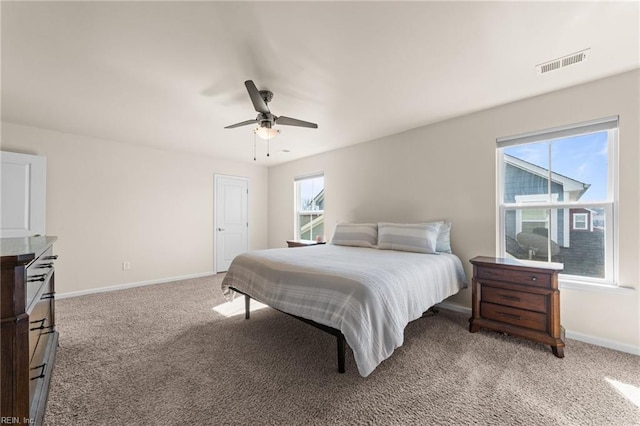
{"x": 413, "y": 237}
{"x": 355, "y": 234}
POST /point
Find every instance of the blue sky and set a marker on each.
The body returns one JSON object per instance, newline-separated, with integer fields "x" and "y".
{"x": 309, "y": 188}
{"x": 583, "y": 158}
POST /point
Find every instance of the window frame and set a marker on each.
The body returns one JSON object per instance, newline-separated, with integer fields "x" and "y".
{"x": 610, "y": 279}
{"x": 296, "y": 209}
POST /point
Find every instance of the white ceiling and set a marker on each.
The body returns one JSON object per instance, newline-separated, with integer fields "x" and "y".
{"x": 170, "y": 74}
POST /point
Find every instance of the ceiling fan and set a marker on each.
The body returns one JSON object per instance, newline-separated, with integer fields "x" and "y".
{"x": 265, "y": 119}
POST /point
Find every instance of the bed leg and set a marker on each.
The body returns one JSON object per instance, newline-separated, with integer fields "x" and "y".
{"x": 247, "y": 301}
{"x": 341, "y": 352}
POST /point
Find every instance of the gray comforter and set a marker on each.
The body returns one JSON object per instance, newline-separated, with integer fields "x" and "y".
{"x": 370, "y": 295}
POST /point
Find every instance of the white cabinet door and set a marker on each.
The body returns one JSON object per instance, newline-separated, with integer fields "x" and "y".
{"x": 24, "y": 187}
{"x": 231, "y": 219}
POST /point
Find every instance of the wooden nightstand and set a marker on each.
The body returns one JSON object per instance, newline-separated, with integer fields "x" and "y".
{"x": 303, "y": 243}
{"x": 514, "y": 298}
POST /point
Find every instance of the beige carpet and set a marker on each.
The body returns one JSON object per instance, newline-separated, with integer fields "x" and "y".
{"x": 160, "y": 355}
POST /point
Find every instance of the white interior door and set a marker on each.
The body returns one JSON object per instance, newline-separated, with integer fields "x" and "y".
{"x": 231, "y": 219}
{"x": 24, "y": 186}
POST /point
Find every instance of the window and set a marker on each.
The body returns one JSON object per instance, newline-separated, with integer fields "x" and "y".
{"x": 556, "y": 198}
{"x": 309, "y": 207}
{"x": 580, "y": 221}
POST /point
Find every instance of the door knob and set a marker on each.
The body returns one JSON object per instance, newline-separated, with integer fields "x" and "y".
{"x": 220, "y": 229}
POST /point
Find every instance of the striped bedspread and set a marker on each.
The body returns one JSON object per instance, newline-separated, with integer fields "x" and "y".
{"x": 368, "y": 294}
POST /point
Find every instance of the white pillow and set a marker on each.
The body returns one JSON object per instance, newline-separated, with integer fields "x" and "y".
{"x": 443, "y": 244}
{"x": 413, "y": 237}
{"x": 355, "y": 234}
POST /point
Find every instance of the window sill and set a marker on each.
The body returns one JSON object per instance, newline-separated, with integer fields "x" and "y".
{"x": 597, "y": 288}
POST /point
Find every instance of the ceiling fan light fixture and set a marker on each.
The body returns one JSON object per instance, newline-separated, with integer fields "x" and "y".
{"x": 266, "y": 133}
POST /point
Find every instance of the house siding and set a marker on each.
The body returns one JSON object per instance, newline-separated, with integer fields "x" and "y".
{"x": 523, "y": 182}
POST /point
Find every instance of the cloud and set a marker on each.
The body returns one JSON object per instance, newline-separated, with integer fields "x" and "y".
{"x": 604, "y": 150}
{"x": 583, "y": 170}
{"x": 531, "y": 153}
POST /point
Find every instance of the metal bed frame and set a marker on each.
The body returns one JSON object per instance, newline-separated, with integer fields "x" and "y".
{"x": 333, "y": 331}
{"x": 341, "y": 343}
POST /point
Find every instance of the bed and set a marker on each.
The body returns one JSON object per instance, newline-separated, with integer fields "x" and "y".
{"x": 364, "y": 296}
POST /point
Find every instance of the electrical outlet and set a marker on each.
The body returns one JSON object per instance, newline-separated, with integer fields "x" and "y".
{"x": 126, "y": 265}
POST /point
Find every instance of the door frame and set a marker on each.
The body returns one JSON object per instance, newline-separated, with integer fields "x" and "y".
{"x": 216, "y": 177}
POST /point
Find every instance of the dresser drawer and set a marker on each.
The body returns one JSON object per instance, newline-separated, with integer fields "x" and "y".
{"x": 516, "y": 299}
{"x": 39, "y": 323}
{"x": 39, "y": 274}
{"x": 517, "y": 277}
{"x": 518, "y": 317}
{"x": 40, "y": 368}
{"x": 40, "y": 332}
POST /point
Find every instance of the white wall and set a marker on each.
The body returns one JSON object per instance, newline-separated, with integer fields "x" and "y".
{"x": 448, "y": 170}
{"x": 108, "y": 202}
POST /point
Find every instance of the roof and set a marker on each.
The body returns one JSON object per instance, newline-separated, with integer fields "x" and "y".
{"x": 568, "y": 184}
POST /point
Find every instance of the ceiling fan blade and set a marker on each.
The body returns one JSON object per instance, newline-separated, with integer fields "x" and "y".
{"x": 288, "y": 121}
{"x": 256, "y": 98}
{"x": 244, "y": 123}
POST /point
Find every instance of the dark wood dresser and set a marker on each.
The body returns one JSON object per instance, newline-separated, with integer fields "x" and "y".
{"x": 518, "y": 299}
{"x": 28, "y": 338}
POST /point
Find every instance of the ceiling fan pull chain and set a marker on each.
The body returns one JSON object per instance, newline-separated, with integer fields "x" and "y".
{"x": 268, "y": 140}
{"x": 254, "y": 146}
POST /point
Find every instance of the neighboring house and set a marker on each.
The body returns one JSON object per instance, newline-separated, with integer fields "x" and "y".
{"x": 588, "y": 220}
{"x": 529, "y": 183}
{"x": 573, "y": 232}
{"x": 314, "y": 218}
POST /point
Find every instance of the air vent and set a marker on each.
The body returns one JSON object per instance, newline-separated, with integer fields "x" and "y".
{"x": 563, "y": 62}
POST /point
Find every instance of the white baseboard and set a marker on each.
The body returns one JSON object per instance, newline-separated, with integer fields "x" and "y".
{"x": 130, "y": 285}
{"x": 454, "y": 307}
{"x": 606, "y": 343}
{"x": 598, "y": 341}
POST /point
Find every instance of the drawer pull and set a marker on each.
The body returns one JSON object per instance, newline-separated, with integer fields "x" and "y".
{"x": 534, "y": 278}
{"x": 51, "y": 295}
{"x": 512, "y": 316}
{"x": 46, "y": 265}
{"x": 54, "y": 257}
{"x": 512, "y": 298}
{"x": 42, "y": 368}
{"x": 35, "y": 278}
{"x": 41, "y": 327}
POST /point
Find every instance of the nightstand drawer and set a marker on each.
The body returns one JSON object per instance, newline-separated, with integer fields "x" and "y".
{"x": 518, "y": 317}
{"x": 517, "y": 277}
{"x": 516, "y": 299}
